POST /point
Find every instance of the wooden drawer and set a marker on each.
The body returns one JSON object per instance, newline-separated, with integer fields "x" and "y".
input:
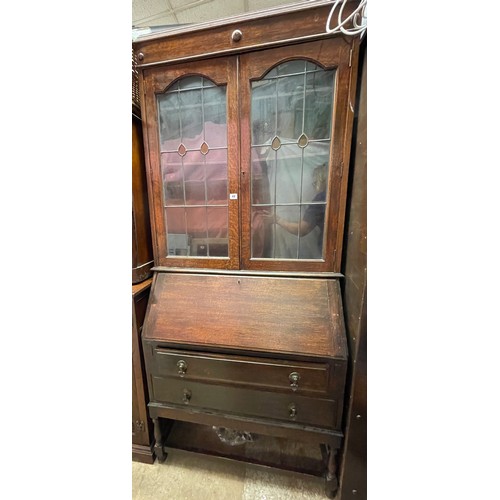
{"x": 289, "y": 376}
{"x": 246, "y": 402}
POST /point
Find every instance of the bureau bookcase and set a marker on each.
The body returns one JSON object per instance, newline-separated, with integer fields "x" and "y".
{"x": 247, "y": 133}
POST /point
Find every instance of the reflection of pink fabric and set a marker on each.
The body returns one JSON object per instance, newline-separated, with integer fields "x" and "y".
{"x": 196, "y": 220}
{"x": 214, "y": 163}
{"x": 199, "y": 169}
{"x": 190, "y": 181}
{"x": 215, "y": 137}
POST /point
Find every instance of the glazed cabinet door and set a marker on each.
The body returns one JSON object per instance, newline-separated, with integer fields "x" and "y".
{"x": 294, "y": 117}
{"x": 193, "y": 154}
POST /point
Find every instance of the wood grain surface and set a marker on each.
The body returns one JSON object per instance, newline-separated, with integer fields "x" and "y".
{"x": 278, "y": 315}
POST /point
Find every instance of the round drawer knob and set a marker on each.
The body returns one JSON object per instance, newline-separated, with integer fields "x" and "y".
{"x": 236, "y": 35}
{"x": 182, "y": 367}
{"x": 140, "y": 56}
{"x": 294, "y": 378}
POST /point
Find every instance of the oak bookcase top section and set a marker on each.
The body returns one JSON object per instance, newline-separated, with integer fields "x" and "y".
{"x": 247, "y": 313}
{"x": 290, "y": 24}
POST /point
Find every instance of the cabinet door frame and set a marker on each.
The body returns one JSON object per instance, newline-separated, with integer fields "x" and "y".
{"x": 329, "y": 54}
{"x": 155, "y": 81}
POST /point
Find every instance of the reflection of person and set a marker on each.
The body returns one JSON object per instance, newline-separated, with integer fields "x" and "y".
{"x": 314, "y": 215}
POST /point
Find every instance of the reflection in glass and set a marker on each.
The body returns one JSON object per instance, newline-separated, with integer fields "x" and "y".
{"x": 193, "y": 147}
{"x": 288, "y": 172}
{"x": 177, "y": 238}
{"x": 291, "y": 112}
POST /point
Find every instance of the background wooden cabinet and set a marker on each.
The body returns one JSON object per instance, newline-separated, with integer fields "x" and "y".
{"x": 142, "y": 262}
{"x": 142, "y": 432}
{"x": 142, "y": 250}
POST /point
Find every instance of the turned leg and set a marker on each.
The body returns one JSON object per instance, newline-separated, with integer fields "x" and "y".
{"x": 331, "y": 483}
{"x": 159, "y": 452}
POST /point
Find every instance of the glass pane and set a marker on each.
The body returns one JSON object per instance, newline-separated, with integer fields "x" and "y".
{"x": 191, "y": 118}
{"x": 315, "y": 170}
{"x": 194, "y": 178}
{"x": 214, "y": 242}
{"x": 318, "y": 104}
{"x": 195, "y": 192}
{"x": 311, "y": 230}
{"x": 291, "y": 67}
{"x": 172, "y": 175}
{"x": 217, "y": 222}
{"x": 263, "y": 111}
{"x": 190, "y": 82}
{"x": 288, "y": 174}
{"x": 311, "y": 66}
{"x": 216, "y": 191}
{"x": 215, "y": 128}
{"x": 208, "y": 83}
{"x": 286, "y": 238}
{"x": 169, "y": 117}
{"x": 262, "y": 232}
{"x": 273, "y": 73}
{"x": 291, "y": 114}
{"x": 261, "y": 158}
{"x": 196, "y": 222}
{"x": 193, "y": 130}
{"x": 216, "y": 176}
{"x": 290, "y": 104}
{"x": 177, "y": 238}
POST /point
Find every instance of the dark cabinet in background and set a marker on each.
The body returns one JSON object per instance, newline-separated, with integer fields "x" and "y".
{"x": 142, "y": 250}
{"x": 142, "y": 262}
{"x": 142, "y": 432}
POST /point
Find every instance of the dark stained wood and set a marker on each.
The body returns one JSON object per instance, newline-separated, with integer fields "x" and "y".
{"x": 141, "y": 423}
{"x": 142, "y": 453}
{"x": 332, "y": 483}
{"x": 353, "y": 456}
{"x": 158, "y": 445}
{"x": 346, "y": 152}
{"x": 142, "y": 250}
{"x": 278, "y": 315}
{"x": 241, "y": 371}
{"x": 229, "y": 400}
{"x": 263, "y": 426}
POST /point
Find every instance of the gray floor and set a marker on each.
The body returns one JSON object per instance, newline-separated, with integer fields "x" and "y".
{"x": 191, "y": 476}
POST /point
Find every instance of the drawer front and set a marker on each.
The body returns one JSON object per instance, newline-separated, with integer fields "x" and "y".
{"x": 246, "y": 402}
{"x": 246, "y": 371}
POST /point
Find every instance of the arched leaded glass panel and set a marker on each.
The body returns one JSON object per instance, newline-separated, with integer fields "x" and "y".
{"x": 291, "y": 112}
{"x": 194, "y": 159}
